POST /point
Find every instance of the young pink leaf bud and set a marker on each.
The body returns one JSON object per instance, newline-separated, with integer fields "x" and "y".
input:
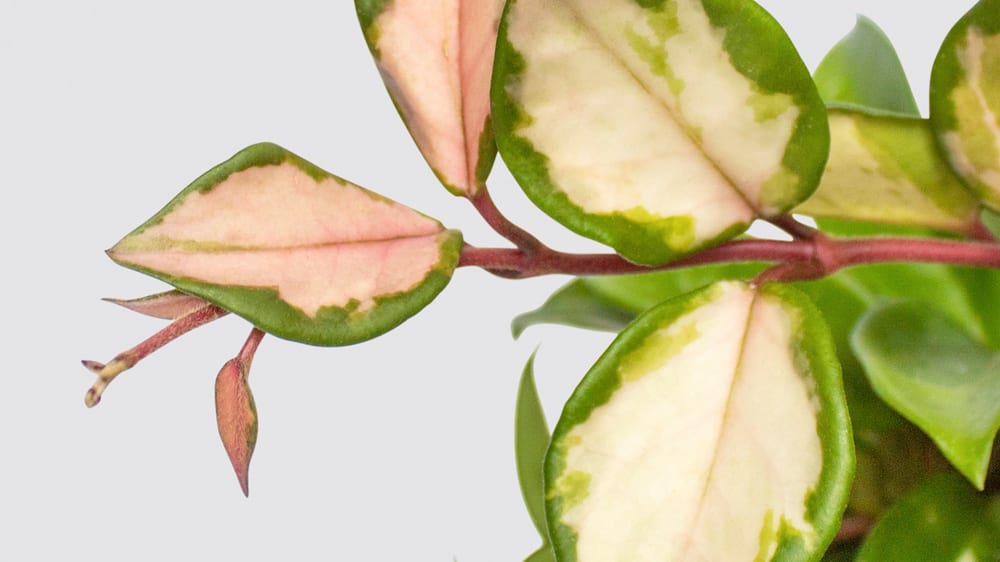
{"x": 235, "y": 411}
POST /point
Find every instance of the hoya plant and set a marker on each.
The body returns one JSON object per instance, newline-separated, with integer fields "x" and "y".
{"x": 834, "y": 395}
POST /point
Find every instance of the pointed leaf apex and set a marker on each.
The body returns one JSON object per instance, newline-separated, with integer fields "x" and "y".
{"x": 236, "y": 413}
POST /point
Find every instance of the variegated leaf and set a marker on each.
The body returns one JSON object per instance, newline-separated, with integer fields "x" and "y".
{"x": 965, "y": 100}
{"x": 169, "y": 305}
{"x": 297, "y": 251}
{"x": 887, "y": 169}
{"x": 436, "y": 58}
{"x": 714, "y": 428}
{"x": 658, "y": 127}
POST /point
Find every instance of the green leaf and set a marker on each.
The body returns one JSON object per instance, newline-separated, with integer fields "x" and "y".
{"x": 609, "y": 303}
{"x": 938, "y": 377}
{"x": 531, "y": 439}
{"x": 889, "y": 170}
{"x": 658, "y": 128}
{"x": 965, "y": 100}
{"x": 436, "y": 63}
{"x": 863, "y": 72}
{"x": 942, "y": 521}
{"x": 298, "y": 252}
{"x": 713, "y": 428}
{"x": 543, "y": 554}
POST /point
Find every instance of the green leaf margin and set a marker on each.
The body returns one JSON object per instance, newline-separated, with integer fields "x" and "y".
{"x": 826, "y": 504}
{"x": 762, "y": 58}
{"x": 332, "y": 326}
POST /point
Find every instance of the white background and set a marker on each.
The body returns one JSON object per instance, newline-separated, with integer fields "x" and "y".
{"x": 396, "y": 449}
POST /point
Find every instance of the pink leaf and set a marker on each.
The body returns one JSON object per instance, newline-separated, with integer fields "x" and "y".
{"x": 300, "y": 253}
{"x": 436, "y": 58}
{"x": 235, "y": 410}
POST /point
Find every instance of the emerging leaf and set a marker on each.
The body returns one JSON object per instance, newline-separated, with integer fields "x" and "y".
{"x": 235, "y": 410}
{"x": 939, "y": 378}
{"x": 436, "y": 58}
{"x": 965, "y": 100}
{"x": 943, "y": 521}
{"x": 170, "y": 305}
{"x": 299, "y": 252}
{"x": 713, "y": 428}
{"x": 657, "y": 128}
{"x": 888, "y": 170}
{"x": 863, "y": 72}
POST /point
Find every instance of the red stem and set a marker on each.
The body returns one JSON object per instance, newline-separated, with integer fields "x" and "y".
{"x": 521, "y": 238}
{"x": 810, "y": 258}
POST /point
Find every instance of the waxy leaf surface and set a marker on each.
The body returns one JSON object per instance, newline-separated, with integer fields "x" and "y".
{"x": 713, "y": 428}
{"x": 436, "y": 59}
{"x": 965, "y": 100}
{"x": 531, "y": 440}
{"x": 889, "y": 170}
{"x": 299, "y": 252}
{"x": 944, "y": 520}
{"x": 657, "y": 128}
{"x": 938, "y": 377}
{"x": 863, "y": 72}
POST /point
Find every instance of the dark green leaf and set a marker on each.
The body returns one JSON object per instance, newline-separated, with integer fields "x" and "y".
{"x": 942, "y": 521}
{"x": 531, "y": 440}
{"x": 938, "y": 377}
{"x": 863, "y": 72}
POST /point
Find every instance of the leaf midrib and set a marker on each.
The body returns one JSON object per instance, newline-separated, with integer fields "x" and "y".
{"x": 684, "y": 125}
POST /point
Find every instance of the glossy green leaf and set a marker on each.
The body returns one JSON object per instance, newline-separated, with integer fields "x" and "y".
{"x": 531, "y": 440}
{"x": 965, "y": 99}
{"x": 938, "y": 377}
{"x": 436, "y": 58}
{"x": 713, "y": 428}
{"x": 299, "y": 252}
{"x": 543, "y": 554}
{"x": 942, "y": 521}
{"x": 657, "y": 128}
{"x": 889, "y": 170}
{"x": 863, "y": 72}
{"x": 609, "y": 303}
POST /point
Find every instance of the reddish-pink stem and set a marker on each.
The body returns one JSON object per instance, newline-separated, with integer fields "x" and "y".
{"x": 127, "y": 359}
{"x": 250, "y": 347}
{"x": 809, "y": 258}
{"x": 521, "y": 238}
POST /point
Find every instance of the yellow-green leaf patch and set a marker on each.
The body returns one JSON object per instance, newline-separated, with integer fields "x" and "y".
{"x": 436, "y": 58}
{"x": 655, "y": 127}
{"x": 887, "y": 169}
{"x": 299, "y": 252}
{"x": 713, "y": 428}
{"x": 965, "y": 100}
